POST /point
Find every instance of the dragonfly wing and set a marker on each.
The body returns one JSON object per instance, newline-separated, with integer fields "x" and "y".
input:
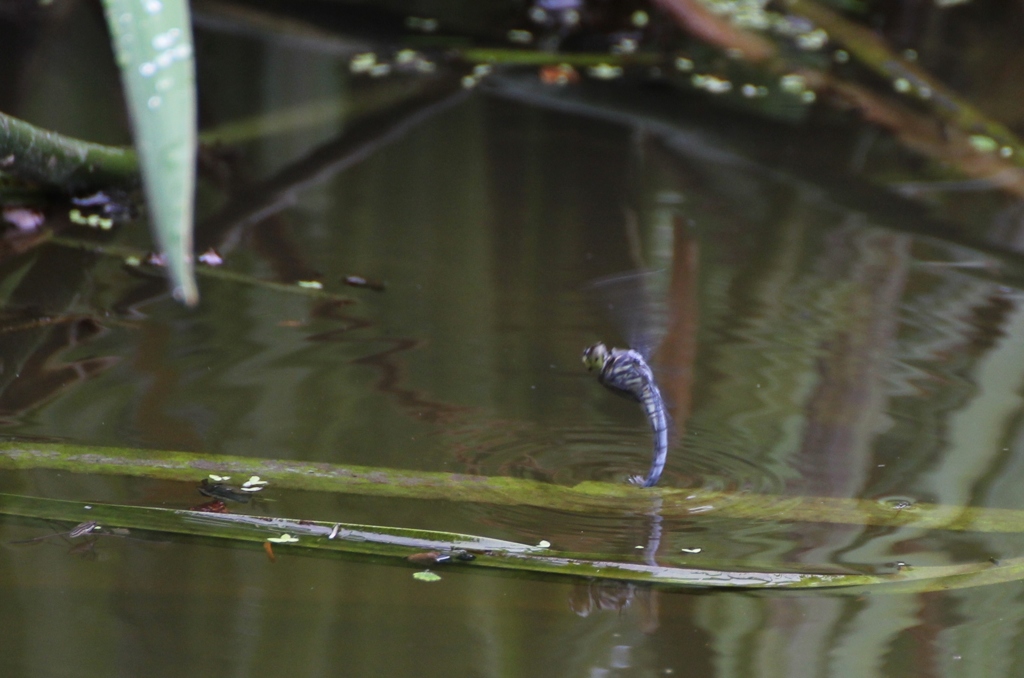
{"x": 635, "y": 302}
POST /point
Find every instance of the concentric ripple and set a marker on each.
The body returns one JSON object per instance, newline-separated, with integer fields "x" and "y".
{"x": 569, "y": 455}
{"x": 605, "y": 452}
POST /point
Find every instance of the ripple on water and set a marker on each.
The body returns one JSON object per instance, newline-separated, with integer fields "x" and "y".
{"x": 607, "y": 453}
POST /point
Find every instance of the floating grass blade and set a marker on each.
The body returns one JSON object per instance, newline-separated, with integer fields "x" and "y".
{"x": 323, "y": 538}
{"x": 153, "y": 43}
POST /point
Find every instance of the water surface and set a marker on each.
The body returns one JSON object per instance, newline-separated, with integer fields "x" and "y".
{"x": 817, "y": 345}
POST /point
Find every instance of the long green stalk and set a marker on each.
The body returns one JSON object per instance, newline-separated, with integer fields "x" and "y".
{"x": 592, "y": 498}
{"x": 322, "y": 538}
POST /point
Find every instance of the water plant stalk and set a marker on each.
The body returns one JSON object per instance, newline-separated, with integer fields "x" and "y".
{"x": 395, "y": 545}
{"x": 593, "y": 498}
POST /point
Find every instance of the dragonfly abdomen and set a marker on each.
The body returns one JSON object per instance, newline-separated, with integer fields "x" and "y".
{"x": 627, "y": 373}
{"x": 654, "y": 407}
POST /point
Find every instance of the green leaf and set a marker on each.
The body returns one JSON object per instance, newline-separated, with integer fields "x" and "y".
{"x": 283, "y": 539}
{"x": 426, "y": 575}
{"x": 153, "y": 44}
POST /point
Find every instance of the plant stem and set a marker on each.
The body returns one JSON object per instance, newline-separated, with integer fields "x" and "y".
{"x": 319, "y": 538}
{"x": 30, "y": 152}
{"x": 588, "y": 497}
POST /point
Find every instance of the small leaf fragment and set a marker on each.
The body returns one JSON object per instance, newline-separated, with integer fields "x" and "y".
{"x": 283, "y": 539}
{"x": 426, "y": 575}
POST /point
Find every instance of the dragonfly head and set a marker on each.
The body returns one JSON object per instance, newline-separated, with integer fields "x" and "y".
{"x": 594, "y": 357}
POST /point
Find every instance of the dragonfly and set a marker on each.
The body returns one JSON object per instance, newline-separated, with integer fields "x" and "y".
{"x": 626, "y": 372}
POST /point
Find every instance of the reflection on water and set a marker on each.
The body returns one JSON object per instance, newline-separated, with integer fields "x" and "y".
{"x": 813, "y": 347}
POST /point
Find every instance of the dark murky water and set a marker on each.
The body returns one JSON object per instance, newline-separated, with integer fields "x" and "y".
{"x": 821, "y": 349}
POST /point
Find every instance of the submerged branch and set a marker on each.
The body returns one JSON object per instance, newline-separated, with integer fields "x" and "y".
{"x": 593, "y": 498}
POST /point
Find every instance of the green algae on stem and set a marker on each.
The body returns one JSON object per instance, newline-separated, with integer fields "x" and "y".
{"x": 590, "y": 497}
{"x": 41, "y": 155}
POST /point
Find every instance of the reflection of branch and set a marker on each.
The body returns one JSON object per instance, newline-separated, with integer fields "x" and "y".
{"x": 703, "y": 24}
{"x": 679, "y": 349}
{"x": 359, "y": 141}
{"x": 227, "y": 17}
{"x": 42, "y": 376}
{"x": 390, "y": 381}
{"x": 362, "y": 101}
{"x": 848, "y": 399}
{"x": 977, "y": 146}
{"x": 873, "y": 52}
{"x": 643, "y": 111}
{"x": 921, "y": 134}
